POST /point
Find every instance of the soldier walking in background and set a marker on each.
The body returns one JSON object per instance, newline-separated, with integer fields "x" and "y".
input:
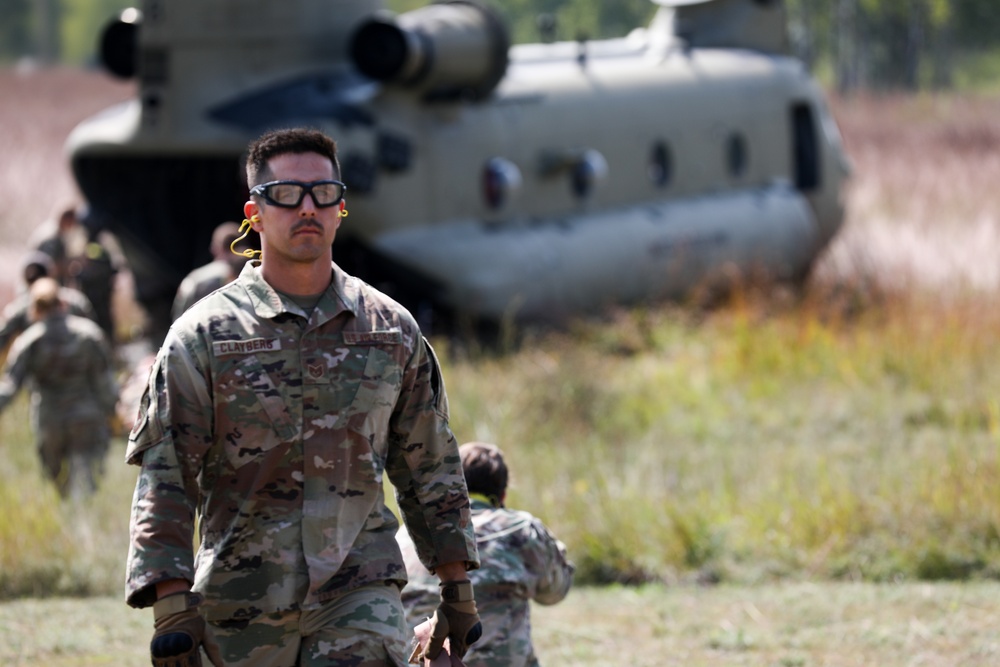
{"x": 55, "y": 241}
{"x": 520, "y": 561}
{"x": 93, "y": 273}
{"x": 16, "y": 318}
{"x": 222, "y": 270}
{"x": 67, "y": 363}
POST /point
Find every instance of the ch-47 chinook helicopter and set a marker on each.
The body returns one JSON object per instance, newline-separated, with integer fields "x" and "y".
{"x": 527, "y": 181}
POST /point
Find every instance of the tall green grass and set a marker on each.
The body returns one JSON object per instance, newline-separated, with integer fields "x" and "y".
{"x": 760, "y": 441}
{"x": 769, "y": 438}
{"x": 51, "y": 546}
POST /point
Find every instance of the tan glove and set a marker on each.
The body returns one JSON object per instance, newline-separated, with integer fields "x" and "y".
{"x": 180, "y": 632}
{"x": 455, "y": 618}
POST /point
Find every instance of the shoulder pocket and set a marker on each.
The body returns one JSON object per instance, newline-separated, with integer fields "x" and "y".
{"x": 147, "y": 430}
{"x": 437, "y": 383}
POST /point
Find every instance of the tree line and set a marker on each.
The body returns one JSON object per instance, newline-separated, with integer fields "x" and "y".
{"x": 893, "y": 44}
{"x": 874, "y": 44}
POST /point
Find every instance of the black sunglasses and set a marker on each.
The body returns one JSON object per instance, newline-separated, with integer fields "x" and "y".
{"x": 289, "y": 194}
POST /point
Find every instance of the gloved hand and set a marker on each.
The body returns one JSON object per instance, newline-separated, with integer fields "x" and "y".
{"x": 456, "y": 618}
{"x": 180, "y": 632}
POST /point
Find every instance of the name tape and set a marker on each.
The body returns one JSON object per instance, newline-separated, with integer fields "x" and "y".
{"x": 246, "y": 346}
{"x": 391, "y": 337}
{"x": 223, "y": 347}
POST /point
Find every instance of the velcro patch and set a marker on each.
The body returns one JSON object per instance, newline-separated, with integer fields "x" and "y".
{"x": 223, "y": 347}
{"x": 390, "y": 337}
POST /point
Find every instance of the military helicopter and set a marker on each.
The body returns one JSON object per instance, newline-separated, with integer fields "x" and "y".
{"x": 522, "y": 182}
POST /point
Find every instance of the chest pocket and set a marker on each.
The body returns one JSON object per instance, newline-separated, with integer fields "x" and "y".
{"x": 252, "y": 412}
{"x": 377, "y": 392}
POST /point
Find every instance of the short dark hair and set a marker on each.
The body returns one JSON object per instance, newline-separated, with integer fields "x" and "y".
{"x": 38, "y": 265}
{"x": 281, "y": 142}
{"x": 485, "y": 470}
{"x": 68, "y": 215}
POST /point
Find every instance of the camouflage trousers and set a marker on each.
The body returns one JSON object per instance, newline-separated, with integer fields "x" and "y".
{"x": 364, "y": 627}
{"x": 72, "y": 453}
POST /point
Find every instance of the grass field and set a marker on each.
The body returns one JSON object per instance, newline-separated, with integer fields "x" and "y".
{"x": 785, "y": 480}
{"x": 782, "y": 625}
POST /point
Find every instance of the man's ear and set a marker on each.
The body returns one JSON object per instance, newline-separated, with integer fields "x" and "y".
{"x": 250, "y": 210}
{"x": 340, "y": 214}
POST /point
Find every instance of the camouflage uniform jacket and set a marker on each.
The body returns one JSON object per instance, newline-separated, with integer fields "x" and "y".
{"x": 16, "y": 314}
{"x": 67, "y": 361}
{"x": 520, "y": 561}
{"x": 200, "y": 283}
{"x": 277, "y": 431}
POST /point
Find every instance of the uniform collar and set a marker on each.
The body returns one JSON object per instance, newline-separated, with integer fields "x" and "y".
{"x": 479, "y": 500}
{"x": 341, "y": 295}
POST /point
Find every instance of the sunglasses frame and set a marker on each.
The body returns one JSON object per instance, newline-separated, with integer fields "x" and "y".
{"x": 307, "y": 189}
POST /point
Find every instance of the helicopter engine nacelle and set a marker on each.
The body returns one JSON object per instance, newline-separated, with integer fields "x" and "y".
{"x": 119, "y": 44}
{"x": 443, "y": 51}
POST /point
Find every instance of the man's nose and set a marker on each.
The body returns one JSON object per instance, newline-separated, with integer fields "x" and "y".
{"x": 307, "y": 209}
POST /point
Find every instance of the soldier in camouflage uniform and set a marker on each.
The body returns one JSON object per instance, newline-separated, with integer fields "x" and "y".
{"x": 94, "y": 274}
{"x": 16, "y": 313}
{"x": 520, "y": 561}
{"x": 54, "y": 238}
{"x": 275, "y": 408}
{"x": 67, "y": 361}
{"x": 223, "y": 269}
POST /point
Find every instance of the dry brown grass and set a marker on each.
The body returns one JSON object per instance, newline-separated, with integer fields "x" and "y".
{"x": 924, "y": 202}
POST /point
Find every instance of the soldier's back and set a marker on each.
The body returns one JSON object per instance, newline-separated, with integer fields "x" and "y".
{"x": 67, "y": 358}
{"x": 198, "y": 284}
{"x": 17, "y": 313}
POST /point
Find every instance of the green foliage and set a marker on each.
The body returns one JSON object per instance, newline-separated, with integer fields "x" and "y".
{"x": 82, "y": 23}
{"x": 975, "y": 22}
{"x": 573, "y": 18}
{"x": 754, "y": 444}
{"x": 978, "y": 70}
{"x": 76, "y": 24}
{"x": 15, "y": 28}
{"x": 871, "y": 43}
{"x": 766, "y": 439}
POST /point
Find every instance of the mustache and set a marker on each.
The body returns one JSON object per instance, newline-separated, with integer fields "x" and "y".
{"x": 307, "y": 224}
